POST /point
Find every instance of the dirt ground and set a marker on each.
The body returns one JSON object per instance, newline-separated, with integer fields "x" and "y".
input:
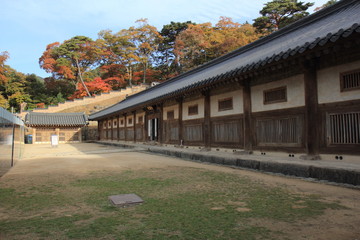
{"x": 42, "y": 162}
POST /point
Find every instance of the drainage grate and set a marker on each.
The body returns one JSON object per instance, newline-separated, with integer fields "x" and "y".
{"x": 125, "y": 200}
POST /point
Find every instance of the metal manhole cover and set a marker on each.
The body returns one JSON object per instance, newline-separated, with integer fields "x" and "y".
{"x": 124, "y": 200}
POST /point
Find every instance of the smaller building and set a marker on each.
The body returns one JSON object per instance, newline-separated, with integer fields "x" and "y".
{"x": 68, "y": 126}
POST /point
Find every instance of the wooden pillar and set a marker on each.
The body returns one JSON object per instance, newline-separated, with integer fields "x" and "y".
{"x": 34, "y": 135}
{"x": 180, "y": 126}
{"x": 146, "y": 134}
{"x": 100, "y": 125}
{"x": 107, "y": 129}
{"x": 160, "y": 127}
{"x": 248, "y": 132}
{"x": 134, "y": 127}
{"x": 112, "y": 129}
{"x": 125, "y": 127}
{"x": 80, "y": 134}
{"x": 312, "y": 128}
{"x": 118, "y": 127}
{"x": 207, "y": 120}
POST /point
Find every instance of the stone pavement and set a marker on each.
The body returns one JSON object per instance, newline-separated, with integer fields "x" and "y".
{"x": 346, "y": 171}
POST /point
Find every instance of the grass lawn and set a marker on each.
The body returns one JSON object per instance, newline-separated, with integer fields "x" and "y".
{"x": 180, "y": 203}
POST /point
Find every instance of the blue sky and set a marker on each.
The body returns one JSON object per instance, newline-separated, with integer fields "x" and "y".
{"x": 28, "y": 26}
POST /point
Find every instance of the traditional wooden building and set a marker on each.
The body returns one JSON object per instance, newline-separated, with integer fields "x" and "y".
{"x": 296, "y": 91}
{"x": 67, "y": 126}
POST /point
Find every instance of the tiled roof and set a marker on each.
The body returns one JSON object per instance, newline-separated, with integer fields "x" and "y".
{"x": 328, "y": 25}
{"x": 55, "y": 119}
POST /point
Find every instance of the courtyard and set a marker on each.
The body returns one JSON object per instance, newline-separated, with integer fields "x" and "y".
{"x": 62, "y": 193}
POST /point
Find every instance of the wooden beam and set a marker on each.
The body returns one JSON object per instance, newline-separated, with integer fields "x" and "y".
{"x": 180, "y": 128}
{"x": 207, "y": 120}
{"x": 100, "y": 124}
{"x": 134, "y": 126}
{"x": 118, "y": 127}
{"x": 312, "y": 116}
{"x": 160, "y": 108}
{"x": 248, "y": 136}
{"x": 112, "y": 128}
{"x": 125, "y": 127}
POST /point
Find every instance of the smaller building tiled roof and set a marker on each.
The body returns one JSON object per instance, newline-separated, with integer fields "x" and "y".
{"x": 35, "y": 119}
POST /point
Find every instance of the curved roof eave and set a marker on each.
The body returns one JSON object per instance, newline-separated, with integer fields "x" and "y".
{"x": 330, "y": 24}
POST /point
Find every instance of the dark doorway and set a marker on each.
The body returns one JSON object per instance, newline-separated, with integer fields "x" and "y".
{"x": 153, "y": 126}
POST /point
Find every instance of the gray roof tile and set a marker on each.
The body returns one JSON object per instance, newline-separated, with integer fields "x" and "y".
{"x": 56, "y": 119}
{"x": 338, "y": 21}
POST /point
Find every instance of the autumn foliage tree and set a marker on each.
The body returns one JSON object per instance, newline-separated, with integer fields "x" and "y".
{"x": 203, "y": 42}
{"x": 146, "y": 38}
{"x": 166, "y": 61}
{"x": 70, "y": 59}
{"x": 95, "y": 86}
{"x": 3, "y": 57}
{"x": 118, "y": 55}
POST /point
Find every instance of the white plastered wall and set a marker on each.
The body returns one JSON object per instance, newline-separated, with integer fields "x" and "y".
{"x": 140, "y": 115}
{"x": 132, "y": 121}
{"x": 294, "y": 90}
{"x": 329, "y": 84}
{"x": 174, "y": 108}
{"x": 200, "y": 103}
{"x": 237, "y": 97}
{"x": 123, "y": 122}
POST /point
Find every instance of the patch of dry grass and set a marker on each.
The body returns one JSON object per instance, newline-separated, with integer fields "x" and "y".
{"x": 180, "y": 203}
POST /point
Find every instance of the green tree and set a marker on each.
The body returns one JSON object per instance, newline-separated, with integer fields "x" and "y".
{"x": 201, "y": 43}
{"x": 165, "y": 61}
{"x": 15, "y": 89}
{"x": 280, "y": 13}
{"x": 329, "y": 3}
{"x": 118, "y": 52}
{"x": 3, "y": 57}
{"x": 146, "y": 38}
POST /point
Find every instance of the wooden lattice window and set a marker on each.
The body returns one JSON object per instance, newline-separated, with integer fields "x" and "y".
{"x": 170, "y": 115}
{"x": 343, "y": 128}
{"x": 109, "y": 124}
{"x": 350, "y": 80}
{"x": 225, "y": 104}
{"x": 193, "y": 110}
{"x": 115, "y": 133}
{"x": 38, "y": 137}
{"x": 139, "y": 133}
{"x": 130, "y": 121}
{"x": 226, "y": 132}
{"x": 140, "y": 119}
{"x": 122, "y": 122}
{"x": 275, "y": 95}
{"x": 279, "y": 131}
{"x": 193, "y": 133}
{"x": 62, "y": 136}
{"x": 104, "y": 125}
{"x": 115, "y": 123}
{"x": 122, "y": 134}
{"x": 130, "y": 134}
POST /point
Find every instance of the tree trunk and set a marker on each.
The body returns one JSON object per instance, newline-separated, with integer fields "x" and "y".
{"x": 144, "y": 75}
{"x": 81, "y": 79}
{"x": 129, "y": 71}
